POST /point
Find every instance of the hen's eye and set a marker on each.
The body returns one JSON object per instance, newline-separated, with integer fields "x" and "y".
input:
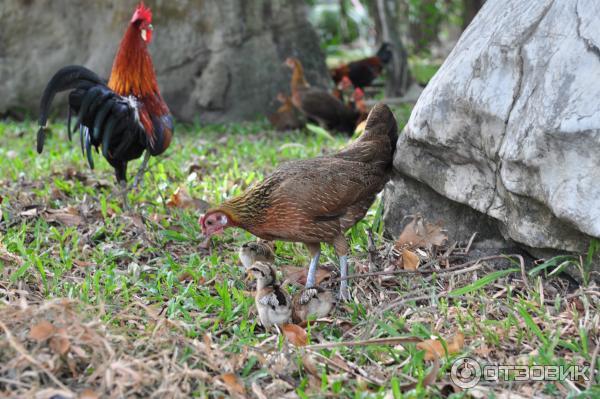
{"x": 209, "y": 222}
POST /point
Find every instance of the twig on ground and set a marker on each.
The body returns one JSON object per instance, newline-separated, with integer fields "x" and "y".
{"x": 376, "y": 341}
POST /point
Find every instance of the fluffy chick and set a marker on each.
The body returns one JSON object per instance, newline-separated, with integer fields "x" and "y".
{"x": 274, "y": 304}
{"x": 260, "y": 251}
{"x": 314, "y": 301}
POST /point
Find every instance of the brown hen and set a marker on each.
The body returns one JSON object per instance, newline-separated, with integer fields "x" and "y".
{"x": 317, "y": 200}
{"x": 319, "y": 105}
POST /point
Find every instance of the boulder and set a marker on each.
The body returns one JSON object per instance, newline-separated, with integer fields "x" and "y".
{"x": 509, "y": 129}
{"x": 216, "y": 60}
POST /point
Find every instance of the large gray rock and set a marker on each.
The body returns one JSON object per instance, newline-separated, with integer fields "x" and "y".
{"x": 216, "y": 60}
{"x": 510, "y": 126}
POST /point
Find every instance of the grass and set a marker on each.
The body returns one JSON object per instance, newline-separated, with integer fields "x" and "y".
{"x": 146, "y": 310}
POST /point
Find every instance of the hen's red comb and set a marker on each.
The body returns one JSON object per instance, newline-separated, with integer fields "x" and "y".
{"x": 142, "y": 13}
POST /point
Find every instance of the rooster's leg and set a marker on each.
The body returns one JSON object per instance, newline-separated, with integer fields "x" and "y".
{"x": 315, "y": 252}
{"x": 140, "y": 173}
{"x": 124, "y": 191}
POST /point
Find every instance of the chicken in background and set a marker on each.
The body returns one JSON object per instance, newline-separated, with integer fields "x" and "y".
{"x": 259, "y": 251}
{"x": 317, "y": 200}
{"x": 286, "y": 117}
{"x": 343, "y": 90}
{"x": 273, "y": 303}
{"x": 319, "y": 105}
{"x": 126, "y": 116}
{"x": 363, "y": 72}
{"x": 311, "y": 302}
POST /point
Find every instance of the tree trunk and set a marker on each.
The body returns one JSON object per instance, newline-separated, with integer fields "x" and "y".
{"x": 398, "y": 80}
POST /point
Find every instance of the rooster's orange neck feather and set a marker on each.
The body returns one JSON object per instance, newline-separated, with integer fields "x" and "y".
{"x": 132, "y": 72}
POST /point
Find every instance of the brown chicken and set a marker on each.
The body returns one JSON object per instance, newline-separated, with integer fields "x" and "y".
{"x": 286, "y": 117}
{"x": 318, "y": 105}
{"x": 363, "y": 72}
{"x": 317, "y": 200}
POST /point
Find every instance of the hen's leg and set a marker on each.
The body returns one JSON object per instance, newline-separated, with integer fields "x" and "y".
{"x": 344, "y": 292}
{"x": 341, "y": 248}
{"x": 315, "y": 253}
{"x": 140, "y": 173}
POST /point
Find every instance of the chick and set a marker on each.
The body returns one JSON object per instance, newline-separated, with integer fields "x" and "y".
{"x": 274, "y": 304}
{"x": 314, "y": 301}
{"x": 261, "y": 251}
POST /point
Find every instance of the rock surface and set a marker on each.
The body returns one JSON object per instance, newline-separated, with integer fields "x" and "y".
{"x": 216, "y": 60}
{"x": 510, "y": 128}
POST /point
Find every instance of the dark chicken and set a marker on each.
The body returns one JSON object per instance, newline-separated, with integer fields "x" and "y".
{"x": 363, "y": 72}
{"x": 317, "y": 200}
{"x": 318, "y": 105}
{"x": 286, "y": 117}
{"x": 126, "y": 115}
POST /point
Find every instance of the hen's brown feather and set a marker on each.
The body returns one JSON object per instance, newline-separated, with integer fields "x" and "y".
{"x": 317, "y": 200}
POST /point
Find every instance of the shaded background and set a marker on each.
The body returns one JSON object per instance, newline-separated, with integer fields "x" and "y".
{"x": 221, "y": 60}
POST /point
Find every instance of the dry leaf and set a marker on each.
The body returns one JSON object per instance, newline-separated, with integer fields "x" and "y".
{"x": 297, "y": 275}
{"x": 419, "y": 233}
{"x": 82, "y": 263}
{"x": 410, "y": 260}
{"x": 309, "y": 365}
{"x": 433, "y": 347}
{"x": 59, "y": 343}
{"x": 182, "y": 199}
{"x": 88, "y": 394}
{"x": 257, "y": 390}
{"x": 295, "y": 334}
{"x": 67, "y": 216}
{"x": 42, "y": 331}
{"x": 233, "y": 384}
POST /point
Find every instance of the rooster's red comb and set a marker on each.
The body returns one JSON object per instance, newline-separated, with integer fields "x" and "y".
{"x": 142, "y": 13}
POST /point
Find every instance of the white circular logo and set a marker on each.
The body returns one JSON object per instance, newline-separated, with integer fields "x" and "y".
{"x": 465, "y": 372}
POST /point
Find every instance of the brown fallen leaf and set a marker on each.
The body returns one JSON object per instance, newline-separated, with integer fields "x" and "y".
{"x": 183, "y": 200}
{"x": 88, "y": 394}
{"x": 82, "y": 263}
{"x": 420, "y": 234}
{"x": 297, "y": 275}
{"x": 295, "y": 334}
{"x": 309, "y": 365}
{"x": 433, "y": 347}
{"x": 42, "y": 331}
{"x": 60, "y": 343}
{"x": 233, "y": 384}
{"x": 410, "y": 260}
{"x": 68, "y": 216}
